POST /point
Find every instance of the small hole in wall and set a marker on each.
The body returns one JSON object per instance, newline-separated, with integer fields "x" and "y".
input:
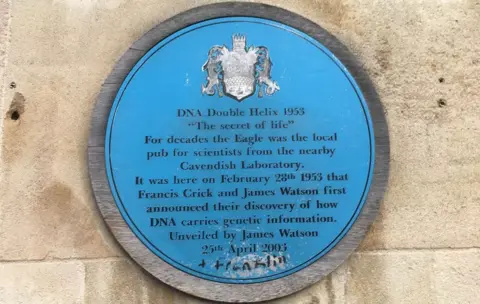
{"x": 442, "y": 103}
{"x": 441, "y": 80}
{"x": 13, "y": 85}
{"x": 15, "y": 115}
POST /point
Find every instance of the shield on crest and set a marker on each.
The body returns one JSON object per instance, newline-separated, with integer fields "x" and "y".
{"x": 237, "y": 72}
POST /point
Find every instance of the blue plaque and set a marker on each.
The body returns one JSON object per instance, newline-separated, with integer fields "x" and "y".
{"x": 239, "y": 150}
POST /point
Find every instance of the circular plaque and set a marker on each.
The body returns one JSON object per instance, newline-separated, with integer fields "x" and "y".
{"x": 238, "y": 152}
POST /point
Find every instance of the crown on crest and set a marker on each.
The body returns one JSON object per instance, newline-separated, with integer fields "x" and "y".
{"x": 239, "y": 42}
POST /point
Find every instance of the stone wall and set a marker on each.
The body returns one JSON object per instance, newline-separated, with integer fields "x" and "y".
{"x": 424, "y": 58}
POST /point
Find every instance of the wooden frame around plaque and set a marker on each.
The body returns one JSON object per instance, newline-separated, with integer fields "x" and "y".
{"x": 179, "y": 279}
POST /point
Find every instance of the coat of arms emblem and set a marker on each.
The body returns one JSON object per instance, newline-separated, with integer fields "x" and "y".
{"x": 238, "y": 72}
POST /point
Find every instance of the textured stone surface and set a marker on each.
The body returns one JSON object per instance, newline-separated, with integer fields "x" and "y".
{"x": 42, "y": 283}
{"x": 423, "y": 58}
{"x": 428, "y": 216}
{"x": 441, "y": 276}
{"x": 113, "y": 281}
{"x": 4, "y": 42}
{"x": 329, "y": 290}
{"x": 457, "y": 277}
{"x": 48, "y": 206}
{"x": 385, "y": 278}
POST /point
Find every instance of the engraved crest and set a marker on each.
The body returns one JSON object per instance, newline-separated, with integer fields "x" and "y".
{"x": 238, "y": 72}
